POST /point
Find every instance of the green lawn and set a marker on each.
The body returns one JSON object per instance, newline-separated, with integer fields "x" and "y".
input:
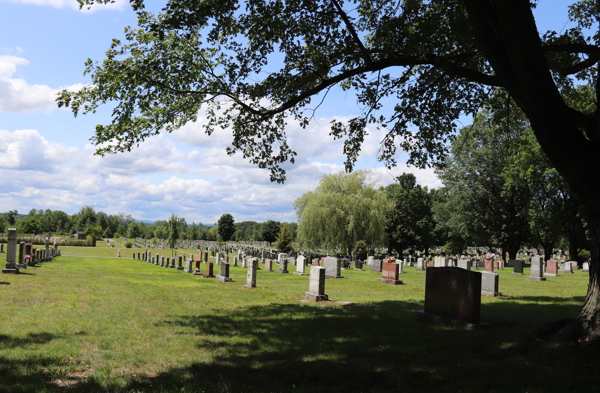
{"x": 90, "y": 324}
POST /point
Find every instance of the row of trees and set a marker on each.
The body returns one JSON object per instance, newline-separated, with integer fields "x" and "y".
{"x": 499, "y": 190}
{"x": 100, "y": 224}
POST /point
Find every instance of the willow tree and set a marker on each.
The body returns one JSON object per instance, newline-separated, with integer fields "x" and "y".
{"x": 431, "y": 60}
{"x": 342, "y": 210}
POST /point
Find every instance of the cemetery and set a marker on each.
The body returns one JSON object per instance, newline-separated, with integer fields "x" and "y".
{"x": 127, "y": 325}
{"x": 442, "y": 232}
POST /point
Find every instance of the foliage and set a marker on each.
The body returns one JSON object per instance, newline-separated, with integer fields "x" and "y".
{"x": 343, "y": 209}
{"x": 173, "y": 231}
{"x": 410, "y": 222}
{"x": 486, "y": 202}
{"x": 270, "y": 231}
{"x": 128, "y": 245}
{"x": 284, "y": 240}
{"x": 360, "y": 249}
{"x": 226, "y": 227}
{"x": 134, "y": 230}
{"x": 455, "y": 247}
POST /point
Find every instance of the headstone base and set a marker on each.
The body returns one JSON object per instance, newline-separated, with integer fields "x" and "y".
{"x": 279, "y": 271}
{"x": 326, "y": 276}
{"x": 301, "y": 274}
{"x": 197, "y": 272}
{"x": 518, "y": 273}
{"x": 249, "y": 286}
{"x": 494, "y": 294}
{"x": 552, "y": 274}
{"x": 10, "y": 271}
{"x": 224, "y": 279}
{"x": 359, "y": 270}
{"x": 31, "y": 264}
{"x": 188, "y": 271}
{"x": 530, "y": 278}
{"x": 390, "y": 281}
{"x": 180, "y": 268}
{"x": 172, "y": 266}
{"x": 422, "y": 316}
{"x": 314, "y": 297}
{"x": 207, "y": 276}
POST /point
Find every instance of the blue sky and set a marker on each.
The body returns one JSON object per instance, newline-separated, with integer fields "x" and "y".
{"x": 47, "y": 161}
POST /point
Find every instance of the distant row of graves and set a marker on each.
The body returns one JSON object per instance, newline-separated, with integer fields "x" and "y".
{"x": 27, "y": 255}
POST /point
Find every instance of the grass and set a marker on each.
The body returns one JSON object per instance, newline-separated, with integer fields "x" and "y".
{"x": 89, "y": 324}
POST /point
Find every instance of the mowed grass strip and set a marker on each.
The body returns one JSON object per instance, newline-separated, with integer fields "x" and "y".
{"x": 122, "y": 325}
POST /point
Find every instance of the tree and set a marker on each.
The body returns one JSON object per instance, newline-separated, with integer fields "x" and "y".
{"x": 173, "y": 231}
{"x": 343, "y": 209}
{"x": 134, "y": 230}
{"x": 270, "y": 231}
{"x": 487, "y": 200}
{"x": 226, "y": 227}
{"x": 436, "y": 59}
{"x": 410, "y": 222}
{"x": 284, "y": 240}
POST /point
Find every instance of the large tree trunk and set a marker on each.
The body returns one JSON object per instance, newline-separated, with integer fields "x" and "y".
{"x": 508, "y": 36}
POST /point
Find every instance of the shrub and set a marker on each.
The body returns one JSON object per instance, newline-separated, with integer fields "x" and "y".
{"x": 128, "y": 245}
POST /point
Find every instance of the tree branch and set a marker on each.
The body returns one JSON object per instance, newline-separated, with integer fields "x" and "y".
{"x": 344, "y": 16}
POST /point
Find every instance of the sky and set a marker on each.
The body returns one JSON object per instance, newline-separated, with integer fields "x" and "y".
{"x": 48, "y": 162}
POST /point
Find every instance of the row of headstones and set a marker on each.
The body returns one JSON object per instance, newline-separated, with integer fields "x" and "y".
{"x": 316, "y": 287}
{"x": 28, "y": 255}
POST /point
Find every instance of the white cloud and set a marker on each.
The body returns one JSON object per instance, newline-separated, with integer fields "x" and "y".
{"x": 161, "y": 176}
{"x": 117, "y": 5}
{"x": 18, "y": 96}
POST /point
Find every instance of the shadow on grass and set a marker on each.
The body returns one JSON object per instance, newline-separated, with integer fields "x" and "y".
{"x": 4, "y": 283}
{"x": 376, "y": 347}
{"x": 547, "y": 299}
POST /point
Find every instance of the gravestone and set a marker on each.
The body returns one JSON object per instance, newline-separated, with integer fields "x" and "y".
{"x": 198, "y": 272}
{"x": 551, "y": 268}
{"x": 567, "y": 268}
{"x": 268, "y": 265}
{"x": 316, "y": 285}
{"x": 283, "y": 266}
{"x": 291, "y": 261}
{"x": 224, "y": 273}
{"x": 21, "y": 258}
{"x": 358, "y": 265}
{"x": 517, "y": 266}
{"x": 420, "y": 264}
{"x": 452, "y": 297}
{"x": 11, "y": 252}
{"x": 332, "y": 267}
{"x": 190, "y": 266}
{"x": 376, "y": 265}
{"x": 133, "y": 256}
{"x": 586, "y": 266}
{"x": 464, "y": 264}
{"x": 370, "y": 260}
{"x": 300, "y": 265}
{"x": 251, "y": 277}
{"x": 400, "y": 263}
{"x": 179, "y": 263}
{"x": 389, "y": 273}
{"x": 208, "y": 272}
{"x": 489, "y": 284}
{"x": 150, "y": 257}
{"x": 489, "y": 265}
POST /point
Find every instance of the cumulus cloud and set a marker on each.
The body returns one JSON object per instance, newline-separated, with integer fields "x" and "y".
{"x": 18, "y": 96}
{"x": 197, "y": 181}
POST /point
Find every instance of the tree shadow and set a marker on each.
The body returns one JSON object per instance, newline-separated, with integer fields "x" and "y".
{"x": 25, "y": 375}
{"x": 4, "y": 283}
{"x": 367, "y": 348}
{"x": 373, "y": 347}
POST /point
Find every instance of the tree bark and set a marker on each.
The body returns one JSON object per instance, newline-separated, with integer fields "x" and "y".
{"x": 508, "y": 36}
